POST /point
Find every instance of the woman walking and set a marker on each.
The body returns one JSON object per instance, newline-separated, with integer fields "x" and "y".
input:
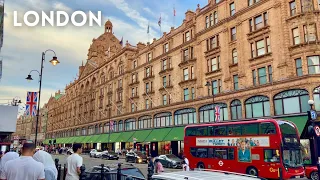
{"x": 50, "y": 169}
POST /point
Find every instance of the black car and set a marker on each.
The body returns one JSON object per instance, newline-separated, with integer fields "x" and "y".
{"x": 110, "y": 156}
{"x": 170, "y": 161}
{"x": 110, "y": 172}
{"x": 136, "y": 157}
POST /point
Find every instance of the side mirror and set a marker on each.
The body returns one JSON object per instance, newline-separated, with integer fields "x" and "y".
{"x": 277, "y": 153}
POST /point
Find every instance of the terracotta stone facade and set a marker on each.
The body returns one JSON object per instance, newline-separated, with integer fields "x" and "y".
{"x": 217, "y": 44}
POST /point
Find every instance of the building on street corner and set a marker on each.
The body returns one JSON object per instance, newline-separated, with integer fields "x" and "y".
{"x": 261, "y": 59}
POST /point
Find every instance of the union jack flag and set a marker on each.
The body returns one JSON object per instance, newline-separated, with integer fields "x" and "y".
{"x": 217, "y": 113}
{"x": 31, "y": 104}
{"x": 111, "y": 125}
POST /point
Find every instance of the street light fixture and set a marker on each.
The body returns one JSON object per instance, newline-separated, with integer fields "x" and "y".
{"x": 311, "y": 102}
{"x": 54, "y": 62}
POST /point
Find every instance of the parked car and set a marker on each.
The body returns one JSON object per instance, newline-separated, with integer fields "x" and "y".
{"x": 170, "y": 161}
{"x": 110, "y": 172}
{"x": 95, "y": 153}
{"x": 110, "y": 156}
{"x": 203, "y": 175}
{"x": 136, "y": 157}
{"x": 311, "y": 172}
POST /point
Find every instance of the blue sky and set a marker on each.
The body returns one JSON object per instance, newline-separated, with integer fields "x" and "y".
{"x": 22, "y": 47}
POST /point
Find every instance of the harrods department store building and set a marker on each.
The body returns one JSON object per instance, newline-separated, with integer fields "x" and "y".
{"x": 260, "y": 59}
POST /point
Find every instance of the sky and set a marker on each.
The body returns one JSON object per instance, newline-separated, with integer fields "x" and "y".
{"x": 23, "y": 46}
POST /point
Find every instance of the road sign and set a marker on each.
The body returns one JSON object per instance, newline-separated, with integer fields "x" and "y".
{"x": 313, "y": 114}
{"x": 317, "y": 130}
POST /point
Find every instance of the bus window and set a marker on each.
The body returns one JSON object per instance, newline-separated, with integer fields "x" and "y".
{"x": 267, "y": 128}
{"x": 250, "y": 129}
{"x": 211, "y": 130}
{"x": 193, "y": 152}
{"x": 220, "y": 130}
{"x": 231, "y": 153}
{"x": 199, "y": 152}
{"x": 270, "y": 155}
{"x": 192, "y": 131}
{"x": 210, "y": 152}
{"x": 221, "y": 153}
{"x": 234, "y": 130}
{"x": 202, "y": 131}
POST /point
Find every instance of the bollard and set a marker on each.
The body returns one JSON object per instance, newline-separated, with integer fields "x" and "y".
{"x": 119, "y": 172}
{"x": 82, "y": 173}
{"x": 102, "y": 168}
{"x": 64, "y": 172}
{"x": 56, "y": 162}
{"x": 280, "y": 174}
{"x": 149, "y": 173}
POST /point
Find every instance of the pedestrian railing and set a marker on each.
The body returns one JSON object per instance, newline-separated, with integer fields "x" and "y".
{"x": 101, "y": 174}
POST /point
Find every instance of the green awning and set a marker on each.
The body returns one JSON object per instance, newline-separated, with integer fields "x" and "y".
{"x": 59, "y": 140}
{"x": 94, "y": 139}
{"x": 46, "y": 141}
{"x": 176, "y": 134}
{"x": 79, "y": 139}
{"x": 125, "y": 136}
{"x": 157, "y": 135}
{"x": 103, "y": 138}
{"x": 70, "y": 140}
{"x": 63, "y": 140}
{"x": 114, "y": 137}
{"x": 299, "y": 121}
{"x": 140, "y": 135}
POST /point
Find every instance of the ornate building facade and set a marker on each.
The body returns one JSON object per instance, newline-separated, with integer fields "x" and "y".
{"x": 259, "y": 59}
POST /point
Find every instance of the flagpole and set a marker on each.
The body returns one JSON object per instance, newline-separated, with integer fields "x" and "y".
{"x": 174, "y": 15}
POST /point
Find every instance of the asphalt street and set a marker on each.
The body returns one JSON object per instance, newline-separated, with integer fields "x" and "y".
{"x": 90, "y": 162}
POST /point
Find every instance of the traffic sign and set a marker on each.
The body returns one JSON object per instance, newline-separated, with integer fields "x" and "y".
{"x": 313, "y": 114}
{"x": 317, "y": 130}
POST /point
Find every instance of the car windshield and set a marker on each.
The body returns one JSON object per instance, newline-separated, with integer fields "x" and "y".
{"x": 139, "y": 153}
{"x": 113, "y": 153}
{"x": 99, "y": 150}
{"x": 172, "y": 156}
{"x": 292, "y": 158}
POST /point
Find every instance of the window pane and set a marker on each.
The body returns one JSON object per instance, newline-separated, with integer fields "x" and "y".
{"x": 278, "y": 107}
{"x": 316, "y": 98}
{"x": 291, "y": 105}
{"x": 260, "y": 47}
{"x": 250, "y": 129}
{"x": 258, "y": 22}
{"x": 257, "y": 109}
{"x": 234, "y": 112}
{"x": 304, "y": 103}
{"x": 248, "y": 111}
{"x": 239, "y": 110}
{"x": 313, "y": 65}
{"x": 266, "y": 108}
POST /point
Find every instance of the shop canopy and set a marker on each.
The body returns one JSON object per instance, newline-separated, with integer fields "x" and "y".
{"x": 86, "y": 139}
{"x": 157, "y": 135}
{"x": 94, "y": 138}
{"x": 79, "y": 139}
{"x": 140, "y": 136}
{"x": 70, "y": 140}
{"x": 113, "y": 137}
{"x": 46, "y": 141}
{"x": 125, "y": 136}
{"x": 103, "y": 138}
{"x": 176, "y": 134}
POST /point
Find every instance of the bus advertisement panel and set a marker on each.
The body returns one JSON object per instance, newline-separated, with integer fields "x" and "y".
{"x": 255, "y": 147}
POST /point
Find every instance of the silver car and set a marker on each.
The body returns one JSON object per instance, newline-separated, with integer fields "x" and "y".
{"x": 203, "y": 175}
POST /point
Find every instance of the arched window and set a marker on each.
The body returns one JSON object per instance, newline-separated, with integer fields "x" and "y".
{"x": 96, "y": 129}
{"x": 115, "y": 126}
{"x": 162, "y": 119}
{"x": 207, "y": 21}
{"x": 106, "y": 127}
{"x": 130, "y": 124}
{"x": 291, "y": 101}
{"x": 144, "y": 122}
{"x": 316, "y": 98}
{"x": 236, "y": 110}
{"x": 234, "y": 56}
{"x": 101, "y": 128}
{"x": 78, "y": 132}
{"x": 208, "y": 114}
{"x": 185, "y": 116}
{"x": 84, "y": 131}
{"x": 120, "y": 126}
{"x": 257, "y": 106}
{"x": 90, "y": 130}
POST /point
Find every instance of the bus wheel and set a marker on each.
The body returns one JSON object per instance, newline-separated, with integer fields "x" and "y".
{"x": 252, "y": 171}
{"x": 200, "y": 165}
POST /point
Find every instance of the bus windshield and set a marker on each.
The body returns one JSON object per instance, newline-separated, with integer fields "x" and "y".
{"x": 292, "y": 158}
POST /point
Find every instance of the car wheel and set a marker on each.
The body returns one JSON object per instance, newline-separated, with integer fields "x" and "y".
{"x": 200, "y": 165}
{"x": 117, "y": 159}
{"x": 108, "y": 158}
{"x": 90, "y": 155}
{"x": 314, "y": 175}
{"x": 169, "y": 165}
{"x": 252, "y": 171}
{"x": 94, "y": 156}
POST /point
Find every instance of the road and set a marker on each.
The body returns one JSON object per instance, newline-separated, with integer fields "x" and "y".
{"x": 90, "y": 162}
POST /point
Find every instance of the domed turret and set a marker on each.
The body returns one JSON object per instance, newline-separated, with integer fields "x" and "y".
{"x": 108, "y": 26}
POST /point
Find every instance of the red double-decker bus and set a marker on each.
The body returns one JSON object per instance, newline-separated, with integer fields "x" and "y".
{"x": 256, "y": 147}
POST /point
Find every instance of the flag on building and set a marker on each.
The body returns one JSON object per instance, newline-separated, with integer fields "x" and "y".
{"x": 148, "y": 30}
{"x": 174, "y": 11}
{"x": 217, "y": 113}
{"x": 121, "y": 42}
{"x": 159, "y": 22}
{"x": 0, "y": 68}
{"x": 31, "y": 104}
{"x": 111, "y": 125}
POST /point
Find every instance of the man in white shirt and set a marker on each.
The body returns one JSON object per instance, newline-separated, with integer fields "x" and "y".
{"x": 186, "y": 161}
{"x": 25, "y": 167}
{"x": 74, "y": 162}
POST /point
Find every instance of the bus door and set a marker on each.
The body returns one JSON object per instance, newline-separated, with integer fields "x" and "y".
{"x": 270, "y": 169}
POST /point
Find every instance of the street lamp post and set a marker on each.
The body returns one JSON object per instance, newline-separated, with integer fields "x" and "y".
{"x": 54, "y": 62}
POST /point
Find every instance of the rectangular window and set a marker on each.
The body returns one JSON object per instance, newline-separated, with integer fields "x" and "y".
{"x": 235, "y": 82}
{"x": 166, "y": 47}
{"x": 215, "y": 87}
{"x": 187, "y": 36}
{"x": 164, "y": 64}
{"x": 233, "y": 34}
{"x": 193, "y": 93}
{"x": 149, "y": 57}
{"x": 192, "y": 72}
{"x": 185, "y": 74}
{"x": 147, "y": 104}
{"x": 262, "y": 76}
{"x": 261, "y": 47}
{"x": 253, "y": 50}
{"x": 120, "y": 83}
{"x": 186, "y": 55}
{"x": 251, "y": 25}
{"x": 215, "y": 14}
{"x": 164, "y": 80}
{"x": 296, "y": 36}
{"x": 148, "y": 72}
{"x": 270, "y": 155}
{"x": 232, "y": 9}
{"x": 299, "y": 67}
{"x": 191, "y": 53}
{"x": 270, "y": 73}
{"x": 314, "y": 64}
{"x": 207, "y": 22}
{"x": 268, "y": 45}
{"x": 132, "y": 107}
{"x": 133, "y": 92}
{"x": 211, "y": 20}
{"x": 310, "y": 33}
{"x": 147, "y": 87}
{"x": 213, "y": 42}
{"x": 292, "y": 8}
{"x": 133, "y": 78}
{"x": 254, "y": 77}
{"x": 186, "y": 94}
{"x": 164, "y": 98}
{"x": 258, "y": 22}
{"x": 135, "y": 64}
{"x": 220, "y": 85}
{"x": 214, "y": 64}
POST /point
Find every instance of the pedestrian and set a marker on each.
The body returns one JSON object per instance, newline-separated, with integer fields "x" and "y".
{"x": 185, "y": 163}
{"x": 23, "y": 167}
{"x": 7, "y": 157}
{"x": 151, "y": 165}
{"x": 50, "y": 169}
{"x": 158, "y": 166}
{"x": 74, "y": 162}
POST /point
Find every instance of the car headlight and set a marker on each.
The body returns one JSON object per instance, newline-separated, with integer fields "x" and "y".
{"x": 138, "y": 157}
